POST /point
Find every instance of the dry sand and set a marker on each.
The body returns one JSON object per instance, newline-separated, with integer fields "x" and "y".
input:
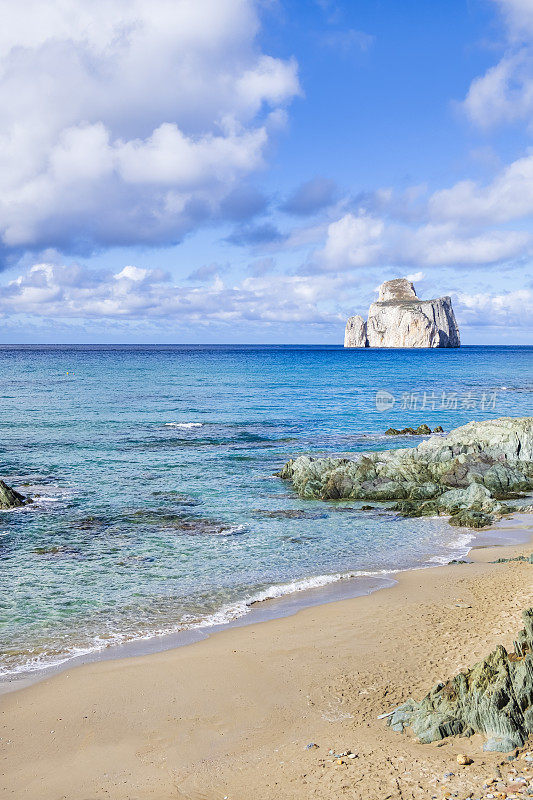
{"x": 231, "y": 716}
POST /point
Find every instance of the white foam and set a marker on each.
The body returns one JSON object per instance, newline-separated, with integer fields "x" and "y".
{"x": 44, "y": 499}
{"x": 231, "y": 531}
{"x": 232, "y": 611}
{"x": 226, "y": 614}
{"x": 460, "y": 546}
{"x": 184, "y": 424}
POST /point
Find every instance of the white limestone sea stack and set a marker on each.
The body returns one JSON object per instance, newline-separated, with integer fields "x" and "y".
{"x": 400, "y": 319}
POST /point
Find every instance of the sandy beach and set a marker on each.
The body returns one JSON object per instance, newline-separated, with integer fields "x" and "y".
{"x": 231, "y": 716}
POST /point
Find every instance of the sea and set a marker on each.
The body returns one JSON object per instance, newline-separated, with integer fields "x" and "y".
{"x": 156, "y": 506}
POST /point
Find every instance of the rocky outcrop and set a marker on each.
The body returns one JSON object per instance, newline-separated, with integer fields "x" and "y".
{"x": 400, "y": 319}
{"x": 355, "y": 334}
{"x": 9, "y": 498}
{"x": 422, "y": 430}
{"x": 494, "y": 697}
{"x": 465, "y": 474}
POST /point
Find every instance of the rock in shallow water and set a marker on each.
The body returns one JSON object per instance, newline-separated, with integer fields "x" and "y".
{"x": 494, "y": 697}
{"x": 422, "y": 430}
{"x": 469, "y": 470}
{"x": 9, "y": 498}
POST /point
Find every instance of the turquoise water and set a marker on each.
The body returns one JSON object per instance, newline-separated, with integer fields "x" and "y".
{"x": 152, "y": 469}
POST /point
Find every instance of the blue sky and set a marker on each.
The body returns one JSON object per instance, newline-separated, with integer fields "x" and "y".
{"x": 251, "y": 170}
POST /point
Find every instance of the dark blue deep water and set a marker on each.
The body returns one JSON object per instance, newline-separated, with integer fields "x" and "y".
{"x": 152, "y": 473}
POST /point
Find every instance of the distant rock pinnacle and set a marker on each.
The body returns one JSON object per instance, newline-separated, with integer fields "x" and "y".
{"x": 400, "y": 319}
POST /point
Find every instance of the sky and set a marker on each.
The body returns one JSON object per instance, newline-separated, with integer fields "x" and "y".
{"x": 249, "y": 171}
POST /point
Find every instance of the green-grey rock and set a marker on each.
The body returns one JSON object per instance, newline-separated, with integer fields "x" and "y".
{"x": 471, "y": 519}
{"x": 9, "y": 498}
{"x": 494, "y": 698}
{"x": 422, "y": 430}
{"x": 472, "y": 468}
{"x": 517, "y": 558}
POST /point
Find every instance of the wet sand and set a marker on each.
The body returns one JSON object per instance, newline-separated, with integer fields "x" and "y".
{"x": 231, "y": 716}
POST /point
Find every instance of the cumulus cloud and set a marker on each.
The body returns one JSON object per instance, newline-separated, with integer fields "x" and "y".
{"x": 135, "y": 298}
{"x": 362, "y": 240}
{"x": 505, "y": 92}
{"x": 508, "y": 309}
{"x": 130, "y": 122}
{"x": 414, "y": 277}
{"x": 74, "y": 292}
{"x": 353, "y": 241}
{"x": 509, "y": 196}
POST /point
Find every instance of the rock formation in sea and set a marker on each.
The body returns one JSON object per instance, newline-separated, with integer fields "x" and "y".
{"x": 400, "y": 319}
{"x": 9, "y": 498}
{"x": 494, "y": 697}
{"x": 465, "y": 474}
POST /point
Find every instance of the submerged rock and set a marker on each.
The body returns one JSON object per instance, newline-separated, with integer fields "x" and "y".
{"x": 400, "y": 319}
{"x": 184, "y": 523}
{"x": 9, "y": 498}
{"x": 422, "y": 430}
{"x": 494, "y": 697}
{"x": 291, "y": 513}
{"x": 471, "y": 469}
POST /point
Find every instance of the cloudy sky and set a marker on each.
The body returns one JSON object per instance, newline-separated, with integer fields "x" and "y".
{"x": 251, "y": 170}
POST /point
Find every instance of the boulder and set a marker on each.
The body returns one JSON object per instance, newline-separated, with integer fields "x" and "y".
{"x": 494, "y": 698}
{"x": 400, "y": 319}
{"x": 472, "y": 468}
{"x": 9, "y": 498}
{"x": 422, "y": 430}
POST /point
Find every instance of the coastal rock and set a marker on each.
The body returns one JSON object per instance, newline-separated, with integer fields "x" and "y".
{"x": 422, "y": 430}
{"x": 472, "y": 468}
{"x": 9, "y": 498}
{"x": 400, "y": 319}
{"x": 355, "y": 334}
{"x": 494, "y": 697}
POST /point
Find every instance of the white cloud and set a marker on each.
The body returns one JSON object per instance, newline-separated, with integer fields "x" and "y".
{"x": 353, "y": 241}
{"x": 361, "y": 241}
{"x": 505, "y": 92}
{"x": 129, "y": 121}
{"x": 513, "y": 308}
{"x": 519, "y": 17}
{"x": 446, "y": 244}
{"x": 134, "y": 293}
{"x": 509, "y": 196}
{"x": 136, "y": 298}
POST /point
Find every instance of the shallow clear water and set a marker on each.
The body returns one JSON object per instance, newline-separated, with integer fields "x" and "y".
{"x": 152, "y": 472}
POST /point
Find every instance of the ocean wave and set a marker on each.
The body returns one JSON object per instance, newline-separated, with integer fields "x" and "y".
{"x": 184, "y": 424}
{"x": 460, "y": 547}
{"x": 228, "y": 613}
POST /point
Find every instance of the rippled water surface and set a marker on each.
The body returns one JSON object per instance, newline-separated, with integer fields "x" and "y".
{"x": 152, "y": 472}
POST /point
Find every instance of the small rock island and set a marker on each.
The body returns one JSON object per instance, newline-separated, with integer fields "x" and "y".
{"x": 400, "y": 319}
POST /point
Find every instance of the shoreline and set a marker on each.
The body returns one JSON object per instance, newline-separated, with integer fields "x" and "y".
{"x": 211, "y": 719}
{"x": 341, "y": 587}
